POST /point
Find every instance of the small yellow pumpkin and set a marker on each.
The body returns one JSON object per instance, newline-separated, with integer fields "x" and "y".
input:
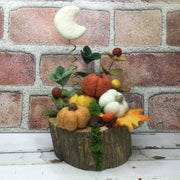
{"x": 81, "y": 100}
{"x": 73, "y": 117}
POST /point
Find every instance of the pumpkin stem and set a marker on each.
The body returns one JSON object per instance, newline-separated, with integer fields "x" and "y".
{"x": 80, "y": 92}
{"x": 72, "y": 107}
{"x": 120, "y": 98}
{"x": 99, "y": 75}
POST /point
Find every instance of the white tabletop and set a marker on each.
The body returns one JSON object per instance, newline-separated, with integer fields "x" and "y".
{"x": 30, "y": 156}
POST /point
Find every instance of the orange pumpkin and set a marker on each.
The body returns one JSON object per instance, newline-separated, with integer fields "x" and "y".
{"x": 94, "y": 85}
{"x": 73, "y": 117}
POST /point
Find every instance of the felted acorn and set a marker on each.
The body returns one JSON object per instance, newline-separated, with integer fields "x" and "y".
{"x": 73, "y": 117}
{"x": 95, "y": 85}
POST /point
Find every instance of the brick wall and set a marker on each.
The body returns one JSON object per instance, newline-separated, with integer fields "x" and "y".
{"x": 148, "y": 31}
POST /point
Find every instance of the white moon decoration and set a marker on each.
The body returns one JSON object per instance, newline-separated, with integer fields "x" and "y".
{"x": 65, "y": 24}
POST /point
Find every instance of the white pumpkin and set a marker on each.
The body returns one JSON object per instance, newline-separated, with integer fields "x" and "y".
{"x": 113, "y": 102}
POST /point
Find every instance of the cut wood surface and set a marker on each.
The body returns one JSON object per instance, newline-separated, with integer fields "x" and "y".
{"x": 73, "y": 147}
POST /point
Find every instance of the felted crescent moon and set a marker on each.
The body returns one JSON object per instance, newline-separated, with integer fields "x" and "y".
{"x": 65, "y": 24}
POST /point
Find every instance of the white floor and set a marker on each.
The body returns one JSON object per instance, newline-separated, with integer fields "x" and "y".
{"x": 30, "y": 156}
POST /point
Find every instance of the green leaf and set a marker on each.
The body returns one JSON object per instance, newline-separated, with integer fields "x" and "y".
{"x": 64, "y": 93}
{"x": 67, "y": 73}
{"x": 59, "y": 103}
{"x": 72, "y": 92}
{"x": 61, "y": 76}
{"x": 86, "y": 59}
{"x": 84, "y": 55}
{"x": 60, "y": 71}
{"x": 53, "y": 77}
{"x": 87, "y": 50}
{"x": 50, "y": 113}
{"x": 95, "y": 56}
{"x": 82, "y": 74}
{"x": 88, "y": 56}
{"x": 115, "y": 72}
{"x": 65, "y": 78}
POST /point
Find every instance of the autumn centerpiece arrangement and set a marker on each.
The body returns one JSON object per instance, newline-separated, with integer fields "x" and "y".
{"x": 93, "y": 117}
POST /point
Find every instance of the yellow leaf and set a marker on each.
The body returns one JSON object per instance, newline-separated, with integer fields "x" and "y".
{"x": 120, "y": 58}
{"x": 109, "y": 54}
{"x": 131, "y": 118}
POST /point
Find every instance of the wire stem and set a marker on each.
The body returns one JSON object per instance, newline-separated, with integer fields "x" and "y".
{"x": 74, "y": 67}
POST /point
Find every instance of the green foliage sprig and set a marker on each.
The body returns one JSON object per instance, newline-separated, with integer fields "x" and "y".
{"x": 96, "y": 148}
{"x": 58, "y": 103}
{"x": 50, "y": 112}
{"x": 88, "y": 56}
{"x": 109, "y": 71}
{"x": 94, "y": 109}
{"x": 61, "y": 76}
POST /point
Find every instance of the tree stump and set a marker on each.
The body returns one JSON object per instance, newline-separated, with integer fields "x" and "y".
{"x": 73, "y": 147}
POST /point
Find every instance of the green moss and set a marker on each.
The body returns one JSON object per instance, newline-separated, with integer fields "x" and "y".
{"x": 96, "y": 149}
{"x": 50, "y": 113}
{"x": 94, "y": 109}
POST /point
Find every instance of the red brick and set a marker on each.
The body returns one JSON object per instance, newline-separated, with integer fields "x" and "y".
{"x": 133, "y": 28}
{"x": 37, "y": 105}
{"x": 50, "y": 62}
{"x": 10, "y": 109}
{"x": 97, "y": 24}
{"x": 153, "y": 69}
{"x": 16, "y": 69}
{"x": 164, "y": 111}
{"x": 134, "y": 101}
{"x": 35, "y": 26}
{"x": 1, "y": 23}
{"x": 173, "y": 28}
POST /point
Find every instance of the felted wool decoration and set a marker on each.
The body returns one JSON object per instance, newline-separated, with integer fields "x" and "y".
{"x": 113, "y": 102}
{"x": 95, "y": 86}
{"x": 65, "y": 24}
{"x": 131, "y": 118}
{"x": 73, "y": 117}
{"x": 81, "y": 100}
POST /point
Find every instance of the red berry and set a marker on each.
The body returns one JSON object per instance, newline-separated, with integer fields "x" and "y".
{"x": 56, "y": 92}
{"x": 117, "y": 52}
{"x": 107, "y": 117}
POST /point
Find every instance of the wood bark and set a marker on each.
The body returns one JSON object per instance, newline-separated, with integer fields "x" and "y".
{"x": 73, "y": 147}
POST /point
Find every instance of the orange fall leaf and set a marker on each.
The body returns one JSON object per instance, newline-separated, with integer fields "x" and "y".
{"x": 131, "y": 118}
